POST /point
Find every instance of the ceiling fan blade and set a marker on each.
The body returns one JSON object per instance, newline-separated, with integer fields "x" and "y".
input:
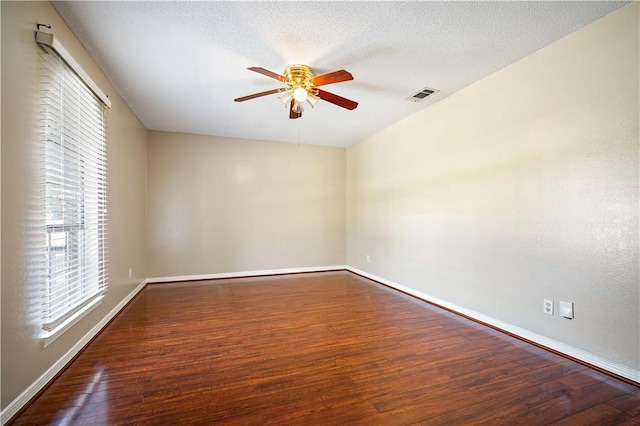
{"x": 268, "y": 73}
{"x": 257, "y": 95}
{"x": 292, "y": 114}
{"x": 332, "y": 77}
{"x": 337, "y": 100}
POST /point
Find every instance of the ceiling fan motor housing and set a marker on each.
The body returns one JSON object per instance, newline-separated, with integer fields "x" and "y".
{"x": 299, "y": 75}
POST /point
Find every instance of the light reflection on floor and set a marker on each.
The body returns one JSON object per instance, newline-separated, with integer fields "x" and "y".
{"x": 98, "y": 383}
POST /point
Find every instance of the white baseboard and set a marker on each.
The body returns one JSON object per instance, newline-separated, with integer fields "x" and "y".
{"x": 264, "y": 272}
{"x": 22, "y": 399}
{"x": 587, "y": 357}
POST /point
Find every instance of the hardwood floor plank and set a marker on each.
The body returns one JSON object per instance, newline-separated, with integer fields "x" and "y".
{"x": 599, "y": 415}
{"x": 323, "y": 349}
{"x": 571, "y": 403}
{"x": 504, "y": 410}
{"x": 628, "y": 403}
{"x": 523, "y": 380}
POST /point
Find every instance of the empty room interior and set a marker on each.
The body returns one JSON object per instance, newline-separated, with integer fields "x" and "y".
{"x": 320, "y": 212}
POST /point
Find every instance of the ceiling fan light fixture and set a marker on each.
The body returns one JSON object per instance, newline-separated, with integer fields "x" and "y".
{"x": 300, "y": 94}
{"x": 312, "y": 99}
{"x": 297, "y": 107}
{"x": 285, "y": 98}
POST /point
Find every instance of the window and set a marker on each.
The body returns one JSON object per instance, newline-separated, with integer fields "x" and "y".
{"x": 75, "y": 191}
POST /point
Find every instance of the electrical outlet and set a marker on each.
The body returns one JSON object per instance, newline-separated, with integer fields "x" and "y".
{"x": 547, "y": 307}
{"x": 130, "y": 271}
{"x": 368, "y": 259}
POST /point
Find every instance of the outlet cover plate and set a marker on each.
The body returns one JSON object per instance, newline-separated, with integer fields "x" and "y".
{"x": 547, "y": 306}
{"x": 566, "y": 309}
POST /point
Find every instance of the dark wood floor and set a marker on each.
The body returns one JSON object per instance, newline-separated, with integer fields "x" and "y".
{"x": 317, "y": 349}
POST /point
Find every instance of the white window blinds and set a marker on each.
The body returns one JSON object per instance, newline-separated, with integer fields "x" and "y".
{"x": 75, "y": 191}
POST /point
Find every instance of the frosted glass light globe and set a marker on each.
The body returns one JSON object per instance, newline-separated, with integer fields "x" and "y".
{"x": 300, "y": 94}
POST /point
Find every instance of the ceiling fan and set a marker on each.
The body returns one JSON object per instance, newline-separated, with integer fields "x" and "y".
{"x": 302, "y": 86}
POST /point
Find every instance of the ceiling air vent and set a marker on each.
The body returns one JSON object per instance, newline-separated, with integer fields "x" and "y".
{"x": 422, "y": 95}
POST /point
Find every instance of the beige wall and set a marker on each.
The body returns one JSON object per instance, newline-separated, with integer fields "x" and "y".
{"x": 520, "y": 187}
{"x": 23, "y": 360}
{"x": 220, "y": 205}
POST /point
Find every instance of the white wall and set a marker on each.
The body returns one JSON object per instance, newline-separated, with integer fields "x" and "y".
{"x": 520, "y": 187}
{"x": 23, "y": 359}
{"x": 219, "y": 205}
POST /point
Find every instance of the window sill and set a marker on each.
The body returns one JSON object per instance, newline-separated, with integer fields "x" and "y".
{"x": 50, "y": 336}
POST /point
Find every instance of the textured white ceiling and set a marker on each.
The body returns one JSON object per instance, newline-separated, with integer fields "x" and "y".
{"x": 179, "y": 65}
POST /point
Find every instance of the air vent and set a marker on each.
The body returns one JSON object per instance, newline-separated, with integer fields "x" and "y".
{"x": 422, "y": 95}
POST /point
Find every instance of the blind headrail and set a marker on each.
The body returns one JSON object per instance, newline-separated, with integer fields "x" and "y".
{"x": 52, "y": 43}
